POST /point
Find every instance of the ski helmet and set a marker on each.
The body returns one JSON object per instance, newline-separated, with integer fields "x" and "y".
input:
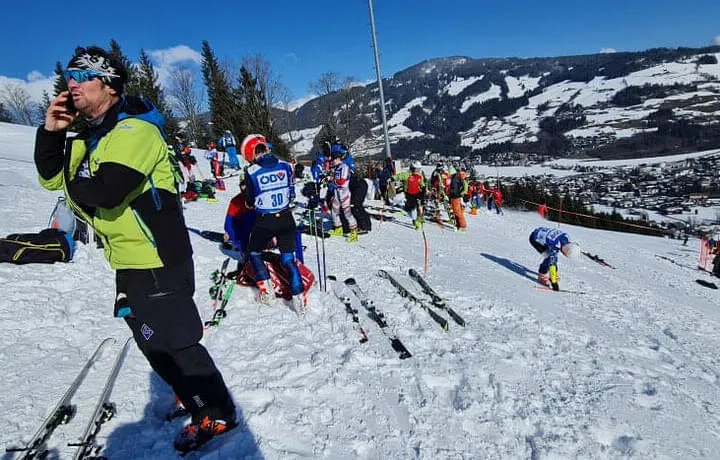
{"x": 247, "y": 147}
{"x": 338, "y": 150}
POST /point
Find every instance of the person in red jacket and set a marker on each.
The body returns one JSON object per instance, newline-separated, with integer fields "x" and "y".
{"x": 239, "y": 221}
{"x": 496, "y": 196}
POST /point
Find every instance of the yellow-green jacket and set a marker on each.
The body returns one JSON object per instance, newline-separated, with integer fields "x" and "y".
{"x": 130, "y": 196}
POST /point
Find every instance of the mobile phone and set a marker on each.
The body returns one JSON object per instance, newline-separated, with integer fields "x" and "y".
{"x": 70, "y": 104}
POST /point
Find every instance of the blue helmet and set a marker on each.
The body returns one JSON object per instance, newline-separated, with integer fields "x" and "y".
{"x": 338, "y": 150}
{"x": 563, "y": 239}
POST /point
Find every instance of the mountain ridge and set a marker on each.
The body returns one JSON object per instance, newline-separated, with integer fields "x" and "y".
{"x": 633, "y": 103}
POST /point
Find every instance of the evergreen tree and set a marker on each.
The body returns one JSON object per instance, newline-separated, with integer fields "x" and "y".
{"x": 223, "y": 110}
{"x": 151, "y": 90}
{"x": 148, "y": 82}
{"x": 42, "y": 108}
{"x": 60, "y": 84}
{"x": 4, "y": 115}
{"x": 327, "y": 134}
{"x": 255, "y": 110}
{"x": 132, "y": 85}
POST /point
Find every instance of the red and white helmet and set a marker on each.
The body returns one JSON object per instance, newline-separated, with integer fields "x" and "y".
{"x": 247, "y": 147}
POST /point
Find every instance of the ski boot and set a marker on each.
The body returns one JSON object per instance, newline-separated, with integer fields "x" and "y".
{"x": 264, "y": 292}
{"x": 195, "y": 435}
{"x": 336, "y": 232}
{"x": 299, "y": 303}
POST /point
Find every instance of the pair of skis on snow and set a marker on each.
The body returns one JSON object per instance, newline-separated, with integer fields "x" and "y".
{"x": 379, "y": 317}
{"x": 373, "y": 312}
{"x": 64, "y": 411}
{"x": 220, "y": 293}
{"x": 435, "y": 300}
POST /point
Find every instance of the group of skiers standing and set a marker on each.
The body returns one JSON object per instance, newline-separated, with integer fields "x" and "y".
{"x": 334, "y": 170}
{"x": 448, "y": 189}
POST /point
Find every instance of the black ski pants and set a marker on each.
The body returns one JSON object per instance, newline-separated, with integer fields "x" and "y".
{"x": 358, "y": 192}
{"x": 167, "y": 328}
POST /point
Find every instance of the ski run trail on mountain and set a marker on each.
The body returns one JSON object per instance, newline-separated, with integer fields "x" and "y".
{"x": 630, "y": 367}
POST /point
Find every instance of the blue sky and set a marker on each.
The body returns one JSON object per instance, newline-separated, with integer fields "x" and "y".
{"x": 303, "y": 39}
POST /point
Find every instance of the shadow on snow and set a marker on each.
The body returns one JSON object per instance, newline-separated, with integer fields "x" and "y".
{"x": 512, "y": 266}
{"x": 153, "y": 436}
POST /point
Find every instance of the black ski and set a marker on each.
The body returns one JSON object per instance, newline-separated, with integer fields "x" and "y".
{"x": 377, "y": 316}
{"x": 436, "y": 299}
{"x": 598, "y": 259}
{"x": 218, "y": 277}
{"x": 63, "y": 412}
{"x": 352, "y": 311}
{"x": 549, "y": 289}
{"x": 104, "y": 411}
{"x": 410, "y": 296}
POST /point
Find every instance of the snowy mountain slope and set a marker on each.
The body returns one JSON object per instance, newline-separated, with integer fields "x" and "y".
{"x": 628, "y": 369}
{"x": 459, "y": 106}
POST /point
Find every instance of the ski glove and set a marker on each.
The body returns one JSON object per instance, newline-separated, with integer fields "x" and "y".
{"x": 122, "y": 307}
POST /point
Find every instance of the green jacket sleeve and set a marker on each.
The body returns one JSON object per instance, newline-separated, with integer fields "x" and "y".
{"x": 49, "y": 157}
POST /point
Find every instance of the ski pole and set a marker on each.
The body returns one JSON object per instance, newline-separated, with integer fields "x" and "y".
{"x": 324, "y": 272}
{"x": 426, "y": 250}
{"x": 313, "y": 223}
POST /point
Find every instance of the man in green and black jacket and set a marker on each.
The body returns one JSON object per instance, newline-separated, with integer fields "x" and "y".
{"x": 118, "y": 177}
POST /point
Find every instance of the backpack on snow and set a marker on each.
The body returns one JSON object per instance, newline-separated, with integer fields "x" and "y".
{"x": 278, "y": 275}
{"x": 48, "y": 246}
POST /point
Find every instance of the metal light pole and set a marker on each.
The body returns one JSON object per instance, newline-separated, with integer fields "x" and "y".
{"x": 379, "y": 79}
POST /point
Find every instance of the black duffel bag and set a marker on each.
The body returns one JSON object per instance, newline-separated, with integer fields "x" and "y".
{"x": 48, "y": 246}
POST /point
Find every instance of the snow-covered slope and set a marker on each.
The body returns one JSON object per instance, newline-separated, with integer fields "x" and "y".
{"x": 627, "y": 369}
{"x": 498, "y": 101}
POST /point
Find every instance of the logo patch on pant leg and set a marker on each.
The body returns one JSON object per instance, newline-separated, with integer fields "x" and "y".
{"x": 146, "y": 331}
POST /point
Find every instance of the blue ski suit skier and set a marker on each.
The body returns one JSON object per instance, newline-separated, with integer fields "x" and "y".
{"x": 270, "y": 190}
{"x": 550, "y": 241}
{"x": 229, "y": 145}
{"x": 319, "y": 168}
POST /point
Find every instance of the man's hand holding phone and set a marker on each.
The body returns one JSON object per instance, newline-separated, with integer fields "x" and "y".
{"x": 61, "y": 113}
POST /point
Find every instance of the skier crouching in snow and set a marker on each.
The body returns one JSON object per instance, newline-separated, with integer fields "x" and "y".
{"x": 550, "y": 241}
{"x": 118, "y": 178}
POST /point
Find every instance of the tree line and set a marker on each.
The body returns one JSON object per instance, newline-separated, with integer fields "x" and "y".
{"x": 238, "y": 99}
{"x": 569, "y": 210}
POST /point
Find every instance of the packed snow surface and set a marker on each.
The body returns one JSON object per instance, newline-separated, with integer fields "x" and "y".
{"x": 629, "y": 367}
